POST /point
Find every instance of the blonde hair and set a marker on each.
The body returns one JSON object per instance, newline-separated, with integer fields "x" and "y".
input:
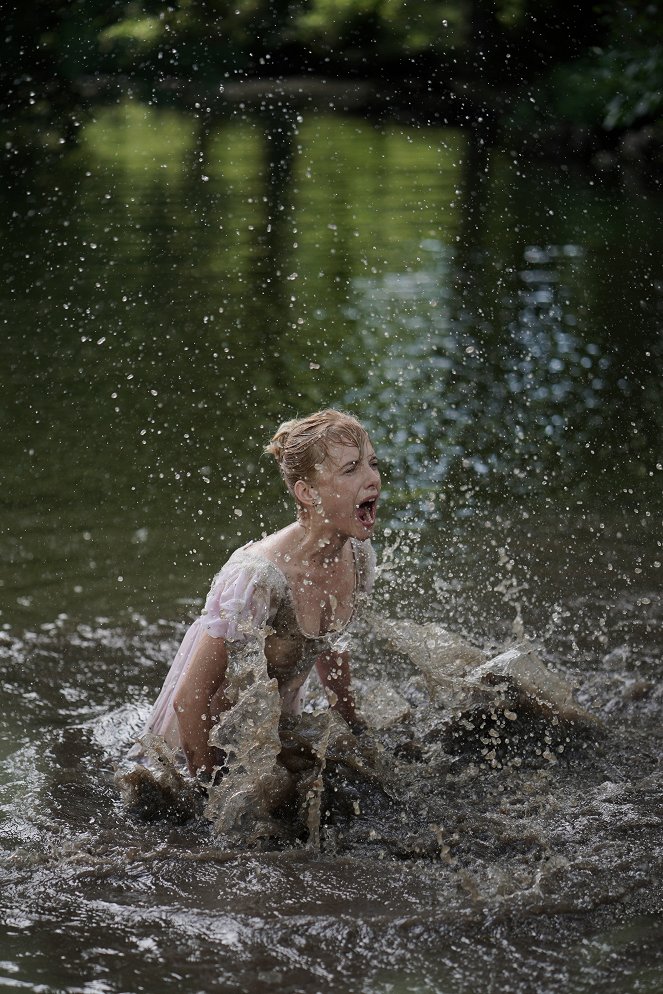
{"x": 300, "y": 445}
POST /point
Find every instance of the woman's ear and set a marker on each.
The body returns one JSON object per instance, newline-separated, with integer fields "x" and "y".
{"x": 305, "y": 494}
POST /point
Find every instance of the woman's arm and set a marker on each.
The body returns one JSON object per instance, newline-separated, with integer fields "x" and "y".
{"x": 199, "y": 700}
{"x": 334, "y": 671}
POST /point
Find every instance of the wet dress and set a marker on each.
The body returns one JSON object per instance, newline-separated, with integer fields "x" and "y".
{"x": 250, "y": 600}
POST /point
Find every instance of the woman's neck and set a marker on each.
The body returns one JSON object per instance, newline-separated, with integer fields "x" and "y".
{"x": 318, "y": 547}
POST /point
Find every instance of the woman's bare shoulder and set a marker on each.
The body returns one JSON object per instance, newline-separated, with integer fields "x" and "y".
{"x": 277, "y": 547}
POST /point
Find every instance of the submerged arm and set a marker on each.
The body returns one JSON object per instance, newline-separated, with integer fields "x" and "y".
{"x": 333, "y": 668}
{"x": 198, "y": 702}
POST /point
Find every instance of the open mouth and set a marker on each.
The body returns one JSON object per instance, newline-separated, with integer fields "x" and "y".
{"x": 367, "y": 511}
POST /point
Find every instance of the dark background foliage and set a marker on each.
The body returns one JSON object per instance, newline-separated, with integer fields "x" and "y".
{"x": 530, "y": 67}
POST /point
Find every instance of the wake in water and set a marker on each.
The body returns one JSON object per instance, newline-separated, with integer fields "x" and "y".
{"x": 310, "y": 779}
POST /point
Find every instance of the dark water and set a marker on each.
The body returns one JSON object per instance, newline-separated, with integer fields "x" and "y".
{"x": 169, "y": 294}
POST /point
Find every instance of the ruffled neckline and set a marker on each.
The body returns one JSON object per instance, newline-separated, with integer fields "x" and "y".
{"x": 331, "y": 632}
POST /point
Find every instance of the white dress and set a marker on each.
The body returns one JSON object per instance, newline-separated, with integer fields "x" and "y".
{"x": 250, "y": 599}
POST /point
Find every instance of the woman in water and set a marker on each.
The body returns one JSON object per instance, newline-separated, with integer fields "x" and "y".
{"x": 294, "y": 591}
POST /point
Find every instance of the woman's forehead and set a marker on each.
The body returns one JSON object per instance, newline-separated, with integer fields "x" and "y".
{"x": 339, "y": 453}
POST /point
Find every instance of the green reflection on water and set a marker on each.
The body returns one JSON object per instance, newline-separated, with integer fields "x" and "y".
{"x": 177, "y": 286}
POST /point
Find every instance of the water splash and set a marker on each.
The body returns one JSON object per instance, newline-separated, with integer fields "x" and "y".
{"x": 248, "y": 734}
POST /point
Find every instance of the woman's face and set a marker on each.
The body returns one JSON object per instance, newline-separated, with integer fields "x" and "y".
{"x": 347, "y": 484}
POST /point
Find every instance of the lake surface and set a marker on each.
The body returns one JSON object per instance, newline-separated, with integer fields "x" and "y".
{"x": 173, "y": 288}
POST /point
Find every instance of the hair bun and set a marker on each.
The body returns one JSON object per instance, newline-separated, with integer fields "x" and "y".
{"x": 278, "y": 443}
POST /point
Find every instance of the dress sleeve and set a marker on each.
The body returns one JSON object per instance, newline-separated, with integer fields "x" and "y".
{"x": 239, "y": 604}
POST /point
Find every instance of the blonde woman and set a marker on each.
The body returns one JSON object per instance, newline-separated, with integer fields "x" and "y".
{"x": 296, "y": 590}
